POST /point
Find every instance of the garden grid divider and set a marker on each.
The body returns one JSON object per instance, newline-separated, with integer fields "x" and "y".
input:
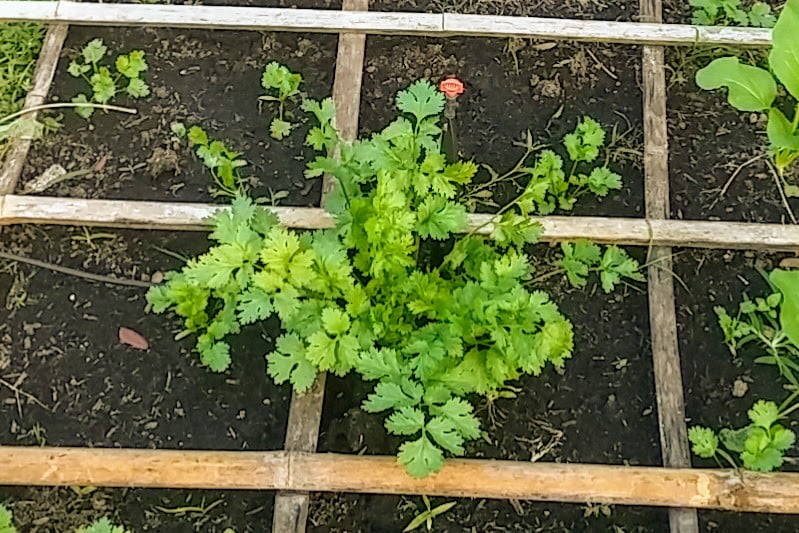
{"x": 297, "y": 469}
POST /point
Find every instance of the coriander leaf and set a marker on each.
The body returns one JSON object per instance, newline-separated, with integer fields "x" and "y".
{"x": 437, "y": 218}
{"x": 420, "y": 457}
{"x": 281, "y": 79}
{"x": 704, "y": 441}
{"x": 760, "y": 15}
{"x": 335, "y": 321}
{"x": 615, "y": 265}
{"x": 460, "y": 413}
{"x": 132, "y": 64}
{"x": 421, "y": 100}
{"x": 254, "y": 305}
{"x": 602, "y": 180}
{"x": 405, "y": 421}
{"x": 764, "y": 414}
{"x": 584, "y": 143}
{"x": 288, "y": 362}
{"x": 102, "y": 525}
{"x": 6, "y": 521}
{"x": 515, "y": 230}
{"x": 76, "y": 69}
{"x": 94, "y": 51}
{"x": 391, "y": 395}
{"x": 279, "y": 129}
{"x": 197, "y": 136}
{"x": 82, "y": 111}
{"x": 137, "y": 88}
{"x": 324, "y": 111}
{"x": 444, "y": 433}
{"x": 103, "y": 86}
{"x": 381, "y": 363}
{"x": 216, "y": 356}
{"x": 322, "y": 350}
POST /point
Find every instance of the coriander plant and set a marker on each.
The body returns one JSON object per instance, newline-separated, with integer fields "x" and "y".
{"x": 282, "y": 84}
{"x": 401, "y": 290}
{"x": 216, "y": 156}
{"x": 755, "y": 89}
{"x": 770, "y": 324}
{"x": 105, "y": 84}
{"x": 760, "y": 445}
{"x": 103, "y": 525}
{"x": 731, "y": 12}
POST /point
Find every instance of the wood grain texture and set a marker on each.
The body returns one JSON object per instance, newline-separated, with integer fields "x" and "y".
{"x": 305, "y": 411}
{"x": 16, "y": 209}
{"x": 329, "y": 21}
{"x": 474, "y": 478}
{"x": 42, "y": 78}
{"x": 662, "y": 314}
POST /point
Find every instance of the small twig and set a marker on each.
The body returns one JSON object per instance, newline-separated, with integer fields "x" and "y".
{"x": 732, "y": 178}
{"x": 74, "y": 272}
{"x": 601, "y": 65}
{"x": 778, "y": 181}
{"x": 33, "y": 109}
{"x": 17, "y": 390}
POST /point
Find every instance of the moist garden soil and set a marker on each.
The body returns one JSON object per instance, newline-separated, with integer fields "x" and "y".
{"x": 61, "y": 333}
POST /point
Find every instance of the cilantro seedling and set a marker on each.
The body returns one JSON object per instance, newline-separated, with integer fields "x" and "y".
{"x": 760, "y": 445}
{"x": 280, "y": 84}
{"x": 103, "y": 525}
{"x": 106, "y": 84}
{"x": 362, "y": 297}
{"x": 731, "y": 12}
{"x": 755, "y": 89}
{"x": 6, "y": 520}
{"x": 218, "y": 158}
{"x": 582, "y": 258}
{"x": 770, "y": 324}
{"x": 427, "y": 516}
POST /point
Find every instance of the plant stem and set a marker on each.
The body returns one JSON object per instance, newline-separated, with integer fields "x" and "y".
{"x": 105, "y": 107}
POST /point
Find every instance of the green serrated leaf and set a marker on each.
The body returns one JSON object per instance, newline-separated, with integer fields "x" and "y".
{"x": 279, "y": 129}
{"x": 94, "y": 51}
{"x": 704, "y": 441}
{"x": 421, "y": 100}
{"x": 405, "y": 421}
{"x": 137, "y": 88}
{"x": 420, "y": 457}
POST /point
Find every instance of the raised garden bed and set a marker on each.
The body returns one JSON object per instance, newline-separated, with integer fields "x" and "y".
{"x": 95, "y": 392}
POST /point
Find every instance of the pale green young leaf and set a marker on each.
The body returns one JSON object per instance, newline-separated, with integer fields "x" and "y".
{"x": 278, "y": 77}
{"x": 615, "y": 265}
{"x": 515, "y": 230}
{"x": 94, "y": 51}
{"x": 279, "y": 129}
{"x": 104, "y": 87}
{"x": 77, "y": 69}
{"x": 335, "y": 321}
{"x": 784, "y": 55}
{"x": 602, "y": 180}
{"x": 761, "y": 16}
{"x": 6, "y": 521}
{"x": 132, "y": 64}
{"x": 216, "y": 356}
{"x": 84, "y": 112}
{"x": 584, "y": 143}
{"x": 197, "y": 136}
{"x": 103, "y": 525}
{"x": 420, "y": 457}
{"x": 764, "y": 414}
{"x": 704, "y": 441}
{"x": 321, "y": 350}
{"x": 381, "y": 363}
{"x": 137, "y": 88}
{"x": 749, "y": 88}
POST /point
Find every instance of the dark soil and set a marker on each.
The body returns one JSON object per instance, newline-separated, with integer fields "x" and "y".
{"x": 208, "y": 78}
{"x": 710, "y": 372}
{"x": 601, "y": 409}
{"x": 513, "y": 86}
{"x": 59, "y": 344}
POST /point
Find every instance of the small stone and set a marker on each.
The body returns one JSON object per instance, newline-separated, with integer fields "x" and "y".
{"x": 739, "y": 388}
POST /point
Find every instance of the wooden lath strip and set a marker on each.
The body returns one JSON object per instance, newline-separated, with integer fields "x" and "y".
{"x": 305, "y": 410}
{"x": 473, "y": 478}
{"x": 44, "y": 72}
{"x": 660, "y": 285}
{"x": 16, "y": 209}
{"x": 422, "y": 24}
